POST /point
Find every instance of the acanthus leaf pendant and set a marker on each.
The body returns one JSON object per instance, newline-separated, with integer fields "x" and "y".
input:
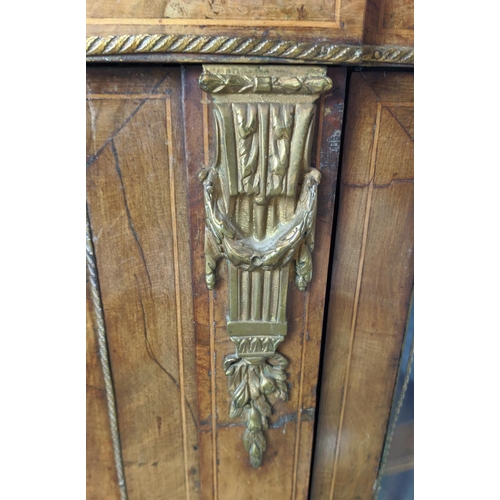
{"x": 260, "y": 201}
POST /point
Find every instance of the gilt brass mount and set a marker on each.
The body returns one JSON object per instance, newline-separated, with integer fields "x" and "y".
{"x": 260, "y": 200}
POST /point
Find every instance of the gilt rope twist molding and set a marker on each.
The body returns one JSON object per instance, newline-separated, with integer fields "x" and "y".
{"x": 113, "y": 45}
{"x": 260, "y": 201}
{"x": 104, "y": 358}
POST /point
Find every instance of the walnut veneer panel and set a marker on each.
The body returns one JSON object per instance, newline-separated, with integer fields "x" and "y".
{"x": 138, "y": 215}
{"x": 295, "y": 19}
{"x": 149, "y": 135}
{"x": 102, "y": 480}
{"x": 225, "y": 471}
{"x": 389, "y": 22}
{"x": 372, "y": 279}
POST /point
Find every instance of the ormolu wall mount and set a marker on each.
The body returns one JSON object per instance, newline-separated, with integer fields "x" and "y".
{"x": 260, "y": 201}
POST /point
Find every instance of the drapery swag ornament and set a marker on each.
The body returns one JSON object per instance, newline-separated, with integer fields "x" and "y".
{"x": 260, "y": 199}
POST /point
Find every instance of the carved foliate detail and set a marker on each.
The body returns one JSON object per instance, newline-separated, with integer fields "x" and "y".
{"x": 214, "y": 83}
{"x": 253, "y": 385}
{"x": 256, "y": 346}
{"x": 260, "y": 198}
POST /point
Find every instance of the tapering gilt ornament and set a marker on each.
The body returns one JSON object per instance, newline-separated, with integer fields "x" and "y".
{"x": 260, "y": 199}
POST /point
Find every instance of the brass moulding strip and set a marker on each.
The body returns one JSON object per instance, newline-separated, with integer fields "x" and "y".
{"x": 388, "y": 54}
{"x": 260, "y": 197}
{"x": 104, "y": 359}
{"x": 237, "y": 328}
{"x": 219, "y": 45}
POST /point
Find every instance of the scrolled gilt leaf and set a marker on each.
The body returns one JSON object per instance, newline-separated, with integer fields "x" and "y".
{"x": 229, "y": 361}
{"x": 241, "y": 395}
{"x": 279, "y": 359}
{"x": 255, "y": 455}
{"x": 260, "y": 441}
{"x": 303, "y": 268}
{"x": 282, "y": 391}
{"x": 275, "y": 372}
{"x": 229, "y": 371}
{"x": 289, "y": 84}
{"x": 248, "y": 439}
{"x": 264, "y": 423}
{"x": 234, "y": 411}
{"x": 317, "y": 85}
{"x": 253, "y": 383}
{"x": 211, "y": 82}
{"x": 263, "y": 406}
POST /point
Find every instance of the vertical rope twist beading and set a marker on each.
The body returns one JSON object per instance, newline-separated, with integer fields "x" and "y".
{"x": 392, "y": 427}
{"x": 103, "y": 355}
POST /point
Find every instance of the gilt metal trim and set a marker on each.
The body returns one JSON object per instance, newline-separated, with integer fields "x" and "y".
{"x": 260, "y": 201}
{"x": 206, "y": 45}
{"x": 104, "y": 358}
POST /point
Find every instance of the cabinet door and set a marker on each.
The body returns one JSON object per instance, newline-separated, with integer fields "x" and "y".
{"x": 137, "y": 209}
{"x": 150, "y": 135}
{"x": 371, "y": 285}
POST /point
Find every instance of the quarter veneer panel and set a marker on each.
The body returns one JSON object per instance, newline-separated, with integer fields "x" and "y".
{"x": 292, "y": 10}
{"x": 137, "y": 209}
{"x": 304, "y": 19}
{"x": 225, "y": 471}
{"x": 389, "y": 22}
{"x": 372, "y": 279}
{"x": 102, "y": 480}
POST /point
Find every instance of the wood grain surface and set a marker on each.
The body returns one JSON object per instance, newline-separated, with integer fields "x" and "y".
{"x": 372, "y": 279}
{"x": 225, "y": 471}
{"x": 372, "y": 22}
{"x": 295, "y": 19}
{"x": 102, "y": 480}
{"x": 389, "y": 22}
{"x": 137, "y": 210}
{"x": 149, "y": 134}
{"x": 224, "y": 10}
